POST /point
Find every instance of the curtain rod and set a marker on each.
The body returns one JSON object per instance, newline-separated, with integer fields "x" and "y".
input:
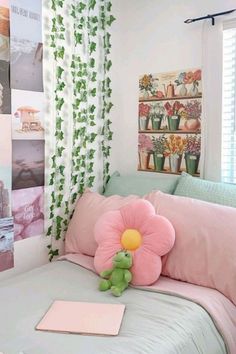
{"x": 212, "y": 17}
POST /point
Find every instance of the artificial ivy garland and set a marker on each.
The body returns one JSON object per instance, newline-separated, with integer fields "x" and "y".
{"x": 91, "y": 92}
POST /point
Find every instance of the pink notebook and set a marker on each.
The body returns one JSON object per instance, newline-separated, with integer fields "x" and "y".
{"x": 83, "y": 317}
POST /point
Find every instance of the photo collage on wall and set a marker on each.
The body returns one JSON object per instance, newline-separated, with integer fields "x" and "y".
{"x": 21, "y": 125}
{"x": 170, "y": 114}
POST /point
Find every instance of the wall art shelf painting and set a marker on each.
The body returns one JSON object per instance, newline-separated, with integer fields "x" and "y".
{"x": 169, "y": 121}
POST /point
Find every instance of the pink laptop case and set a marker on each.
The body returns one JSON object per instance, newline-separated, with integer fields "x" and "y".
{"x": 83, "y": 317}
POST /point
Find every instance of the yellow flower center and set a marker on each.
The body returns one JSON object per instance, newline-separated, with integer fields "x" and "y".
{"x": 131, "y": 239}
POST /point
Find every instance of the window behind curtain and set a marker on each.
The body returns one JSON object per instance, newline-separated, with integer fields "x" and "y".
{"x": 228, "y": 167}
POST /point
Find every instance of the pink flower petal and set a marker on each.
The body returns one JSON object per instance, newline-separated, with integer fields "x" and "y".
{"x": 136, "y": 213}
{"x": 103, "y": 257}
{"x": 107, "y": 232}
{"x": 158, "y": 235}
{"x": 146, "y": 267}
{"x": 109, "y": 228}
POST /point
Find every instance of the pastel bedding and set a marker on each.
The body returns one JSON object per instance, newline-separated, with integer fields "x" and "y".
{"x": 190, "y": 311}
{"x": 154, "y": 322}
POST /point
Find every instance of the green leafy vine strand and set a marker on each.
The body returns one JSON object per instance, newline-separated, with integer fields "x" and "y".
{"x": 91, "y": 92}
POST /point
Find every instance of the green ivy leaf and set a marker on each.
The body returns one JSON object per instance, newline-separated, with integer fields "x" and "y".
{"x": 60, "y": 151}
{"x": 59, "y": 135}
{"x": 108, "y": 65}
{"x": 60, "y": 86}
{"x": 58, "y": 204}
{"x": 81, "y": 7}
{"x": 93, "y": 92}
{"x": 93, "y": 31}
{"x": 61, "y": 52}
{"x": 61, "y": 169}
{"x": 53, "y": 253}
{"x": 53, "y": 197}
{"x": 92, "y": 63}
{"x": 53, "y": 158}
{"x": 90, "y": 167}
{"x": 90, "y": 181}
{"x": 59, "y": 19}
{"x": 74, "y": 179}
{"x": 109, "y": 107}
{"x": 52, "y": 178}
{"x": 92, "y": 137}
{"x": 92, "y": 108}
{"x": 78, "y": 37}
{"x": 92, "y": 4}
{"x": 49, "y": 232}
{"x": 59, "y": 72}
{"x": 73, "y": 198}
{"x": 59, "y": 121}
{"x": 91, "y": 154}
{"x": 92, "y": 47}
{"x": 109, "y": 6}
{"x": 59, "y": 102}
{"x": 110, "y": 19}
{"x": 66, "y": 208}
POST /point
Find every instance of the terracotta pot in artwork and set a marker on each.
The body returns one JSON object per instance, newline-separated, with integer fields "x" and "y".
{"x": 192, "y": 124}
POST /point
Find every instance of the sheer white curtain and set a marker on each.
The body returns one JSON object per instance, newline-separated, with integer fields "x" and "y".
{"x": 229, "y": 103}
{"x": 212, "y": 67}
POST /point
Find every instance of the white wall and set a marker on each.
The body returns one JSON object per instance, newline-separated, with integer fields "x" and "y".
{"x": 150, "y": 36}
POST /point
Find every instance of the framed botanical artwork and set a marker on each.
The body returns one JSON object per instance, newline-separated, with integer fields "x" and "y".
{"x": 169, "y": 121}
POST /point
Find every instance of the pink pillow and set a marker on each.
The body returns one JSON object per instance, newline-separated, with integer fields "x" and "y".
{"x": 90, "y": 206}
{"x": 205, "y": 248}
{"x": 134, "y": 227}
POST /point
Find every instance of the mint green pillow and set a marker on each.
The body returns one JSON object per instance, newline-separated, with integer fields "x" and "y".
{"x": 140, "y": 184}
{"x": 213, "y": 192}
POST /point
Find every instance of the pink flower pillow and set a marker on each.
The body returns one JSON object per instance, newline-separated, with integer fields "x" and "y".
{"x": 137, "y": 228}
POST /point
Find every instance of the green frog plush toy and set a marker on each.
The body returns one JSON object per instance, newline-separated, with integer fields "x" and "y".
{"x": 118, "y": 278}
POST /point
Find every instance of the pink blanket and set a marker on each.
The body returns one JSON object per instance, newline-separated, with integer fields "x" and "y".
{"x": 221, "y": 310}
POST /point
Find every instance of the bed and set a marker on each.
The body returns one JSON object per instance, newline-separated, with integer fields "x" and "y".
{"x": 189, "y": 310}
{"x": 154, "y": 322}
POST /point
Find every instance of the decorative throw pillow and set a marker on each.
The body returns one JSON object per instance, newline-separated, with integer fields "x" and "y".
{"x": 205, "y": 245}
{"x": 134, "y": 227}
{"x": 213, "y": 192}
{"x": 90, "y": 206}
{"x": 140, "y": 184}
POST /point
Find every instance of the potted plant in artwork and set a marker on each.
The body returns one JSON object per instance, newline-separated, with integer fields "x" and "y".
{"x": 146, "y": 86}
{"x": 159, "y": 152}
{"x": 175, "y": 148}
{"x": 192, "y": 115}
{"x": 193, "y": 78}
{"x": 144, "y": 110}
{"x": 145, "y": 147}
{"x": 156, "y": 115}
{"x": 181, "y": 81}
{"x": 192, "y": 153}
{"x": 174, "y": 112}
